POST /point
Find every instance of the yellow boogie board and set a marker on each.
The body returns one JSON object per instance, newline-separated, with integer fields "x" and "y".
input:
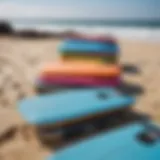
{"x": 90, "y": 58}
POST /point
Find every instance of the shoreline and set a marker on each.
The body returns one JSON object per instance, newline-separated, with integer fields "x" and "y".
{"x": 58, "y": 30}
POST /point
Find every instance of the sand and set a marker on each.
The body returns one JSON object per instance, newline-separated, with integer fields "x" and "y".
{"x": 20, "y": 60}
{"x": 143, "y": 58}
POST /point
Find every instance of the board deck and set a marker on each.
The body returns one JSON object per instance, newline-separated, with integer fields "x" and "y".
{"x": 80, "y": 69}
{"x": 88, "y": 46}
{"x": 71, "y": 105}
{"x": 118, "y": 144}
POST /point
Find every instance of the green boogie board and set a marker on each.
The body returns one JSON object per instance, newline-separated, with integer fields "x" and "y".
{"x": 85, "y": 57}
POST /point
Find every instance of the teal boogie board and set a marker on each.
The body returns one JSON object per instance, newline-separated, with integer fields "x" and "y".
{"x": 77, "y": 46}
{"x": 132, "y": 142}
{"x": 71, "y": 105}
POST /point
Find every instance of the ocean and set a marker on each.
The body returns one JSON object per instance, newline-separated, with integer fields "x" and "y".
{"x": 133, "y": 29}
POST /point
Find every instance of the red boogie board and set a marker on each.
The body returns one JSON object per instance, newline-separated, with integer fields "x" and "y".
{"x": 77, "y": 80}
{"x": 100, "y": 38}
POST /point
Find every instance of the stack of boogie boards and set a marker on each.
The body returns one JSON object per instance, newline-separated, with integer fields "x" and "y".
{"x": 78, "y": 74}
{"x": 55, "y": 116}
{"x": 98, "y": 49}
{"x": 86, "y": 62}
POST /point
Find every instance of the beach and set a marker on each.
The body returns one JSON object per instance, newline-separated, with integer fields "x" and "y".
{"x": 21, "y": 58}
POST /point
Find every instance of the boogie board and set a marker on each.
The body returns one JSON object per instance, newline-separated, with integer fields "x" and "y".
{"x": 77, "y": 46}
{"x": 77, "y": 81}
{"x": 132, "y": 142}
{"x": 71, "y": 105}
{"x": 98, "y": 58}
{"x": 99, "y": 38}
{"x": 80, "y": 69}
{"x": 52, "y": 115}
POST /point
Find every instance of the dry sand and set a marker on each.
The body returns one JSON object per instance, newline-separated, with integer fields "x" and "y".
{"x": 19, "y": 63}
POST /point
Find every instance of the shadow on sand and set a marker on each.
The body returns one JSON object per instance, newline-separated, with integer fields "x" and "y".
{"x": 131, "y": 89}
{"x": 100, "y": 125}
{"x": 125, "y": 88}
{"x": 130, "y": 69}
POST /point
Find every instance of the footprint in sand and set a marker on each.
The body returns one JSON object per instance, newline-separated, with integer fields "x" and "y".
{"x": 14, "y": 81}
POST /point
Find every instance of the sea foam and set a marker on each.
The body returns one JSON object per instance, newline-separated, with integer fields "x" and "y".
{"x": 140, "y": 33}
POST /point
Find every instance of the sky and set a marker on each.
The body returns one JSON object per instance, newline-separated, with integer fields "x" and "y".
{"x": 96, "y": 9}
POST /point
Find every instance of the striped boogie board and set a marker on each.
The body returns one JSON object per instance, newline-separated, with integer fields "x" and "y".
{"x": 52, "y": 114}
{"x": 77, "y": 74}
{"x": 89, "y": 50}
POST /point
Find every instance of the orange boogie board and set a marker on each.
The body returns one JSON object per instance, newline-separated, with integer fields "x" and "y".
{"x": 80, "y": 69}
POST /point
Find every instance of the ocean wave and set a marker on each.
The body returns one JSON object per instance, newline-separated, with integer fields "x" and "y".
{"x": 142, "y": 33}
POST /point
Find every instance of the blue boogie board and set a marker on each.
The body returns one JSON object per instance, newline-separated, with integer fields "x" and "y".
{"x": 77, "y": 46}
{"x": 72, "y": 105}
{"x": 71, "y": 113}
{"x": 132, "y": 142}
